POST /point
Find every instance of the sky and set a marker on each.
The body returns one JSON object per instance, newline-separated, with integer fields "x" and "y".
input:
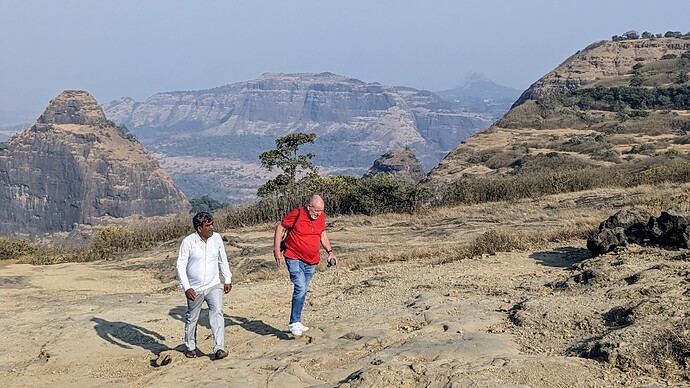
{"x": 137, "y": 48}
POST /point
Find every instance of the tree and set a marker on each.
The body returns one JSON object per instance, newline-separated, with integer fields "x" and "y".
{"x": 286, "y": 157}
{"x": 206, "y": 204}
{"x": 632, "y": 34}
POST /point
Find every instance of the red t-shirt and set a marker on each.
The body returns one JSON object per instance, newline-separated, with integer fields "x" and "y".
{"x": 303, "y": 242}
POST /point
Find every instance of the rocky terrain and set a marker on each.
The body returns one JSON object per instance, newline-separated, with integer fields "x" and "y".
{"x": 402, "y": 308}
{"x": 210, "y": 140}
{"x": 75, "y": 167}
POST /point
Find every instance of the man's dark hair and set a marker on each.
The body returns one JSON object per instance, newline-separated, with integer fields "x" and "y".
{"x": 201, "y": 217}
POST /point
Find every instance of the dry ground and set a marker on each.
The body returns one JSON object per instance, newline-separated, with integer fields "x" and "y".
{"x": 399, "y": 310}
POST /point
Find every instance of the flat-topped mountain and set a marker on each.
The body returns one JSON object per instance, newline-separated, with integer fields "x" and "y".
{"x": 73, "y": 167}
{"x": 355, "y": 122}
{"x": 615, "y": 103}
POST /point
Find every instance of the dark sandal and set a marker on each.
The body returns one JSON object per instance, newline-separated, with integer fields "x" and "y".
{"x": 190, "y": 354}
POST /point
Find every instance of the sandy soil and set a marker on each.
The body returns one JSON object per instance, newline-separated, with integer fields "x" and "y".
{"x": 551, "y": 316}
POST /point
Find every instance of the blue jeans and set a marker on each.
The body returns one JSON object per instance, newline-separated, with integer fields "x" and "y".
{"x": 300, "y": 275}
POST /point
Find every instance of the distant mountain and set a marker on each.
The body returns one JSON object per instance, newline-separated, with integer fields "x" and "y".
{"x": 210, "y": 140}
{"x": 479, "y": 94}
{"x": 73, "y": 166}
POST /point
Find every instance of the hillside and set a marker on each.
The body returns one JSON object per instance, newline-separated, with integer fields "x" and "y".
{"x": 621, "y": 104}
{"x": 210, "y": 140}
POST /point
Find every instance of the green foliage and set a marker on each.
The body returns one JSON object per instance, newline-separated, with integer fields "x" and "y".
{"x": 206, "y": 204}
{"x": 13, "y": 249}
{"x": 286, "y": 157}
{"x": 636, "y": 80}
{"x": 380, "y": 194}
{"x": 618, "y": 99}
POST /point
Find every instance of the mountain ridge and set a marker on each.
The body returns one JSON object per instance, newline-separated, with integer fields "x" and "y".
{"x": 355, "y": 122}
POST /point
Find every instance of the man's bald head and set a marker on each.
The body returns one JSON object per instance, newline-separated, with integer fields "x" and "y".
{"x": 315, "y": 206}
{"x": 316, "y": 201}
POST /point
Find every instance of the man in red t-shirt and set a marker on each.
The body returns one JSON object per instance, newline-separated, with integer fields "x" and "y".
{"x": 306, "y": 227}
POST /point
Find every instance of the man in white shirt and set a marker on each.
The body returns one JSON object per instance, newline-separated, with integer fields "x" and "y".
{"x": 201, "y": 256}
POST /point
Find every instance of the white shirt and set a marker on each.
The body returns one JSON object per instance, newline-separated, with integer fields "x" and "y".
{"x": 198, "y": 262}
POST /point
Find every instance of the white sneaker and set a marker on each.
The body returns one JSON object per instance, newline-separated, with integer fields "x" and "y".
{"x": 295, "y": 329}
{"x": 304, "y": 328}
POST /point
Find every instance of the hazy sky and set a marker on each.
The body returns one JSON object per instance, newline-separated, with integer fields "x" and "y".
{"x": 136, "y": 48}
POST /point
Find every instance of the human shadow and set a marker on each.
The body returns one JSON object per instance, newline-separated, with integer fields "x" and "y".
{"x": 126, "y": 335}
{"x": 563, "y": 257}
{"x": 256, "y": 326}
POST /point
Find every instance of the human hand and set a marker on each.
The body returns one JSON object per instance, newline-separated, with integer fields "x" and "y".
{"x": 278, "y": 258}
{"x": 190, "y": 294}
{"x": 227, "y": 288}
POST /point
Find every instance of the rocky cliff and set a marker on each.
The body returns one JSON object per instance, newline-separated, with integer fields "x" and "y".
{"x": 230, "y": 126}
{"x": 400, "y": 163}
{"x": 600, "y": 60}
{"x": 74, "y": 166}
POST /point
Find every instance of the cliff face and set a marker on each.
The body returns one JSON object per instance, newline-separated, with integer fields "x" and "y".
{"x": 355, "y": 122}
{"x": 600, "y": 60}
{"x": 73, "y": 166}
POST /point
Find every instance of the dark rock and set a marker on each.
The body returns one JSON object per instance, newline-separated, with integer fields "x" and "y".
{"x": 670, "y": 228}
{"x": 606, "y": 240}
{"x": 633, "y": 221}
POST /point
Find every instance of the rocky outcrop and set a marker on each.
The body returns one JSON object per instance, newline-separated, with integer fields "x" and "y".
{"x": 355, "y": 122}
{"x": 73, "y": 167}
{"x": 602, "y": 59}
{"x": 671, "y": 229}
{"x": 400, "y": 163}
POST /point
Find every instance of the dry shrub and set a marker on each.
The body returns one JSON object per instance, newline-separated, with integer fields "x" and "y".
{"x": 13, "y": 249}
{"x": 59, "y": 253}
{"x": 400, "y": 254}
{"x": 495, "y": 241}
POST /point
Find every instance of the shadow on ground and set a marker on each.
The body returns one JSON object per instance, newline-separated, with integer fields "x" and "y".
{"x": 562, "y": 257}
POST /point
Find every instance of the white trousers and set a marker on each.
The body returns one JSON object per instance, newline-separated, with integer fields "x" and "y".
{"x": 214, "y": 299}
